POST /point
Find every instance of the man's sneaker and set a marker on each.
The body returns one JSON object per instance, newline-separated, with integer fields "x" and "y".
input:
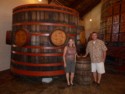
{"x": 98, "y": 85}
{"x": 94, "y": 82}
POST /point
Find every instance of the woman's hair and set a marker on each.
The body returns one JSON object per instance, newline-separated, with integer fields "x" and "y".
{"x": 73, "y": 45}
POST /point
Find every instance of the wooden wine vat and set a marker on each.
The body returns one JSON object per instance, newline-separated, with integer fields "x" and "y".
{"x": 113, "y": 21}
{"x": 81, "y": 36}
{"x": 39, "y": 57}
{"x": 113, "y": 31}
{"x": 81, "y": 40}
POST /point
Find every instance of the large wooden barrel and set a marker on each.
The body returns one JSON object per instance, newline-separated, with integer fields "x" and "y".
{"x": 113, "y": 22}
{"x": 83, "y": 71}
{"x": 39, "y": 57}
{"x": 81, "y": 40}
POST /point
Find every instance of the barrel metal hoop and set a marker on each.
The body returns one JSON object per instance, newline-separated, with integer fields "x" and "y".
{"x": 35, "y": 54}
{"x": 44, "y": 9}
{"x": 49, "y": 5}
{"x": 37, "y": 73}
{"x": 43, "y": 23}
{"x": 38, "y": 64}
{"x": 47, "y": 34}
{"x": 39, "y": 47}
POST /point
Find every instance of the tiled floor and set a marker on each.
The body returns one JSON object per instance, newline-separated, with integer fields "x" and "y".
{"x": 111, "y": 84}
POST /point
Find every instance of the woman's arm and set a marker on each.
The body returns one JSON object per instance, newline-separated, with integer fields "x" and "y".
{"x": 64, "y": 55}
{"x": 77, "y": 54}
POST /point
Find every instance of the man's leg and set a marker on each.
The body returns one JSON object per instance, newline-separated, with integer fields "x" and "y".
{"x": 93, "y": 69}
{"x": 95, "y": 76}
{"x": 100, "y": 70}
{"x": 99, "y": 78}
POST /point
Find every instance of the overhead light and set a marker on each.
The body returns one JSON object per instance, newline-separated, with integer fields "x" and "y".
{"x": 40, "y": 0}
{"x": 90, "y": 20}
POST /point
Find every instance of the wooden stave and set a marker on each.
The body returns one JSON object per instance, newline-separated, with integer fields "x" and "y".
{"x": 83, "y": 74}
{"x": 29, "y": 19}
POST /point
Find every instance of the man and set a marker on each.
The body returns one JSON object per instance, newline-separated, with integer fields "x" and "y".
{"x": 97, "y": 50}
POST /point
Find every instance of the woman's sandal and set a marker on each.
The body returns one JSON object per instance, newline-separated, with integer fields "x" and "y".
{"x": 72, "y": 84}
{"x": 68, "y": 85}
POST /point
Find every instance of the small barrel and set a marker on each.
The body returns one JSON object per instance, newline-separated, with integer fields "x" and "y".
{"x": 83, "y": 71}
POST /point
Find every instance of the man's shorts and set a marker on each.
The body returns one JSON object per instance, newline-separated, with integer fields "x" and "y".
{"x": 98, "y": 67}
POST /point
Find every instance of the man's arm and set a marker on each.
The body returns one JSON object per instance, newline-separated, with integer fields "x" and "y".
{"x": 104, "y": 55}
{"x": 104, "y": 48}
{"x": 87, "y": 50}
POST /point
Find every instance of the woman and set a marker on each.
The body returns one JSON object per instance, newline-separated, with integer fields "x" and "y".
{"x": 69, "y": 57}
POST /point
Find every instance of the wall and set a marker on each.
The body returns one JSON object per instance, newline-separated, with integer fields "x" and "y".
{"x": 6, "y": 7}
{"x": 94, "y": 25}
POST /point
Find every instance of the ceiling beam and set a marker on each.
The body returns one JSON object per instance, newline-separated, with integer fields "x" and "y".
{"x": 82, "y": 6}
{"x": 88, "y": 8}
{"x": 66, "y": 2}
{"x": 49, "y": 1}
{"x": 75, "y": 3}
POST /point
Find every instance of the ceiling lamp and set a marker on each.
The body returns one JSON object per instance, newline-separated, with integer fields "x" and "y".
{"x": 40, "y": 0}
{"x": 90, "y": 20}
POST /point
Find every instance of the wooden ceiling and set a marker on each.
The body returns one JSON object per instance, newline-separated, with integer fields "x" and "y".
{"x": 82, "y": 6}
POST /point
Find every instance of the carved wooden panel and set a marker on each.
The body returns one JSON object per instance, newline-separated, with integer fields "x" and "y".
{"x": 58, "y": 37}
{"x": 21, "y": 37}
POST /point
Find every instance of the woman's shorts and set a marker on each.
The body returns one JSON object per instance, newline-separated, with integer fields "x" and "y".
{"x": 70, "y": 66}
{"x": 98, "y": 67}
